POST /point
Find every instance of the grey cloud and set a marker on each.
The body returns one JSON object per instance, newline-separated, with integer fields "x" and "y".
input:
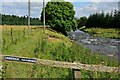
{"x": 21, "y": 8}
{"x": 95, "y": 7}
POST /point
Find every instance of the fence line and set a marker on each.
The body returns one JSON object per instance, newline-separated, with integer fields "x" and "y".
{"x": 75, "y": 65}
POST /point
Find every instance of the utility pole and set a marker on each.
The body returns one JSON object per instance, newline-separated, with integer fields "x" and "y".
{"x": 28, "y": 16}
{"x": 119, "y": 6}
{"x": 44, "y": 15}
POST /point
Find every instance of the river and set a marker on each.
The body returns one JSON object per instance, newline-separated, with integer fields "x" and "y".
{"x": 105, "y": 46}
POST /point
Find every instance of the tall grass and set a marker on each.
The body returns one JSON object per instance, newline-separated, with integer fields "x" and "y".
{"x": 50, "y": 46}
{"x": 102, "y": 32}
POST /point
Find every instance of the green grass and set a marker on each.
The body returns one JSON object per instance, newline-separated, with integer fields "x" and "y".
{"x": 102, "y": 32}
{"x": 51, "y": 46}
{"x": 18, "y": 70}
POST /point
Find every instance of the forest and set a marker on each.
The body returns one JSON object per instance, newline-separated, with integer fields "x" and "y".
{"x": 16, "y": 20}
{"x": 101, "y": 20}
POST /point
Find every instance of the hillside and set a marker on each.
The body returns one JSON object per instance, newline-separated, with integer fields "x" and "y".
{"x": 51, "y": 46}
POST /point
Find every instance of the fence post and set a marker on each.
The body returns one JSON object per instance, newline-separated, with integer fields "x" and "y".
{"x": 1, "y": 70}
{"x": 12, "y": 35}
{"x": 76, "y": 74}
{"x": 24, "y": 32}
{"x": 1, "y": 67}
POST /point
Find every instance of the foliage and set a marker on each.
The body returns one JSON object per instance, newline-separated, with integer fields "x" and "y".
{"x": 16, "y": 20}
{"x": 50, "y": 46}
{"x": 102, "y": 20}
{"x": 60, "y": 16}
{"x": 82, "y": 21}
{"x": 102, "y": 32}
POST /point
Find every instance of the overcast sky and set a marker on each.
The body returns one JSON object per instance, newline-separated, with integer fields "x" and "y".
{"x": 82, "y": 7}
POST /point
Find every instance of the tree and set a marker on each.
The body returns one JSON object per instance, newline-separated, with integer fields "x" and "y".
{"x": 82, "y": 21}
{"x": 0, "y": 19}
{"x": 102, "y": 20}
{"x": 116, "y": 20}
{"x": 16, "y": 20}
{"x": 60, "y": 16}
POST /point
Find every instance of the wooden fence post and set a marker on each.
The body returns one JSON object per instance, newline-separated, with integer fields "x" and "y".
{"x": 1, "y": 69}
{"x": 76, "y": 74}
{"x": 24, "y": 32}
{"x": 12, "y": 38}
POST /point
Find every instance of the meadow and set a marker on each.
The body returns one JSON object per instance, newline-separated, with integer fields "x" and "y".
{"x": 104, "y": 32}
{"x": 50, "y": 46}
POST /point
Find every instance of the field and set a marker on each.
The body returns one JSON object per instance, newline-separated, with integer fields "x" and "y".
{"x": 51, "y": 46}
{"x": 102, "y": 32}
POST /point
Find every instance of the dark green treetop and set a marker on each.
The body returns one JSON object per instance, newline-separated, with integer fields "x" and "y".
{"x": 60, "y": 16}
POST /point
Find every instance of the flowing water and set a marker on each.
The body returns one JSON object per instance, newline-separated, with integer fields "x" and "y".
{"x": 105, "y": 46}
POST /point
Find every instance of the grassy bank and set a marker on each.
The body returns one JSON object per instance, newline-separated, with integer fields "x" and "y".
{"x": 49, "y": 45}
{"x": 102, "y": 32}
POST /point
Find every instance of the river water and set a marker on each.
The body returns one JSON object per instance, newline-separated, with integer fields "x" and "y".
{"x": 106, "y": 46}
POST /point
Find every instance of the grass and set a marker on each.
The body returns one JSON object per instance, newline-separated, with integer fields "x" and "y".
{"x": 102, "y": 32}
{"x": 50, "y": 46}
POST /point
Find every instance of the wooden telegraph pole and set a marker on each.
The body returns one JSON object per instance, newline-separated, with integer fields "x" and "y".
{"x": 119, "y": 6}
{"x": 28, "y": 16}
{"x": 44, "y": 15}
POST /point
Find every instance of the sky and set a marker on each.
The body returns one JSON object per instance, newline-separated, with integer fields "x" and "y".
{"x": 81, "y": 7}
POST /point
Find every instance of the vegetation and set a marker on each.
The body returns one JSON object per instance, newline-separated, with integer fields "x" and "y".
{"x": 16, "y": 20}
{"x": 82, "y": 22}
{"x": 101, "y": 24}
{"x": 102, "y": 32}
{"x": 50, "y": 46}
{"x": 101, "y": 20}
{"x": 60, "y": 16}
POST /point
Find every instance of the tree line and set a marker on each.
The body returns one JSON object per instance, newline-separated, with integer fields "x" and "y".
{"x": 17, "y": 20}
{"x": 101, "y": 20}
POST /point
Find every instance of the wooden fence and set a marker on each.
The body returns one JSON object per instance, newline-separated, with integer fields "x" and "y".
{"x": 75, "y": 66}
